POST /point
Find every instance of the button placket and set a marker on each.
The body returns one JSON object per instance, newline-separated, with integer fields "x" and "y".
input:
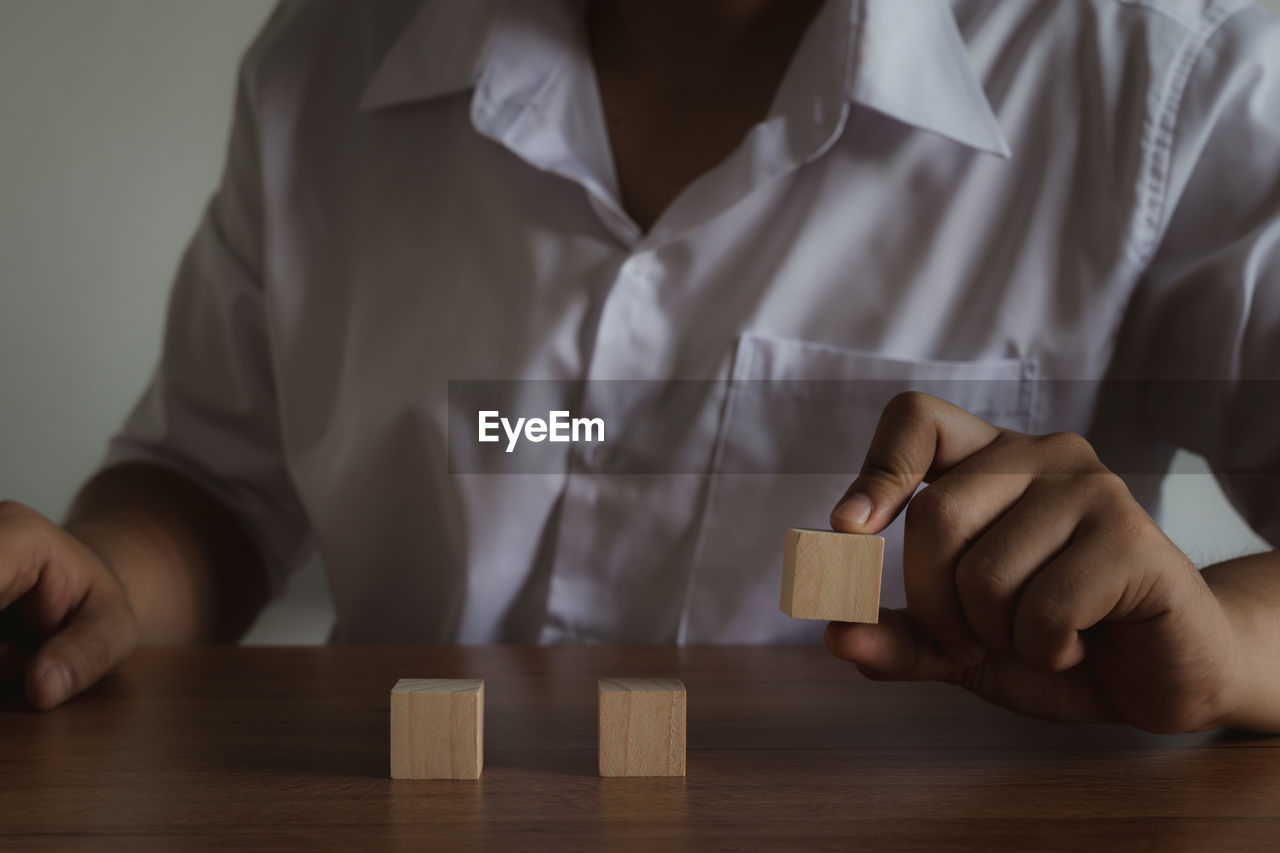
{"x": 588, "y": 574}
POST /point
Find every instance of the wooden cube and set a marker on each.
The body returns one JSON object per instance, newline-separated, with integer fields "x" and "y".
{"x": 642, "y": 727}
{"x": 832, "y": 576}
{"x": 437, "y": 728}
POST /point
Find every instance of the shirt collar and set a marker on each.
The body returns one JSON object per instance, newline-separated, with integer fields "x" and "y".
{"x": 442, "y": 52}
{"x": 910, "y": 63}
{"x": 905, "y": 59}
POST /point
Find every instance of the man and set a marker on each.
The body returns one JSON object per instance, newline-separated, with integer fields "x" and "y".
{"x": 794, "y": 209}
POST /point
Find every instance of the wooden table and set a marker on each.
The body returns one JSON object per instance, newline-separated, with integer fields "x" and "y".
{"x": 286, "y": 749}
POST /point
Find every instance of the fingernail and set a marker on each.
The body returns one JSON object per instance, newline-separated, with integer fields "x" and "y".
{"x": 59, "y": 678}
{"x": 853, "y": 511}
{"x": 965, "y": 656}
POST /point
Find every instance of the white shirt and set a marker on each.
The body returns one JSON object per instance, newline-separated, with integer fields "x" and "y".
{"x": 1035, "y": 194}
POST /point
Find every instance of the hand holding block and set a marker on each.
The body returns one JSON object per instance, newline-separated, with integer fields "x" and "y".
{"x": 437, "y": 728}
{"x": 642, "y": 727}
{"x": 833, "y": 576}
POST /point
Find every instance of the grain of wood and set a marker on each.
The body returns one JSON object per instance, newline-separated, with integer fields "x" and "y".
{"x": 642, "y": 727}
{"x": 284, "y": 750}
{"x": 833, "y": 576}
{"x": 437, "y": 728}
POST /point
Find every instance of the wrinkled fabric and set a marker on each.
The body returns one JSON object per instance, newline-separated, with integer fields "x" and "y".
{"x": 1007, "y": 200}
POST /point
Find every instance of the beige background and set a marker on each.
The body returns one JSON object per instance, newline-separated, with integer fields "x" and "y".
{"x": 113, "y": 115}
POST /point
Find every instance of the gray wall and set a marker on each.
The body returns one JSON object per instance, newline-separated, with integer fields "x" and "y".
{"x": 113, "y": 115}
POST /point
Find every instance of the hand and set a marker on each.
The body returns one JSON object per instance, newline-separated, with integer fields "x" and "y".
{"x": 64, "y": 616}
{"x": 1033, "y": 578}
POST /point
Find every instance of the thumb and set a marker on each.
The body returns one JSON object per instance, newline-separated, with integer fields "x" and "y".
{"x": 918, "y": 438}
{"x": 101, "y": 635}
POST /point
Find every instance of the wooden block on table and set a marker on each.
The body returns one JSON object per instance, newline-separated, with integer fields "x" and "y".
{"x": 437, "y": 728}
{"x": 642, "y": 727}
{"x": 833, "y": 576}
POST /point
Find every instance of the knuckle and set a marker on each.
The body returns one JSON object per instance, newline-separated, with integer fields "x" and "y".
{"x": 909, "y": 406}
{"x": 1042, "y": 632}
{"x": 1043, "y": 614}
{"x": 1099, "y": 481}
{"x": 1099, "y": 493}
{"x": 1110, "y": 487}
{"x": 979, "y": 574}
{"x": 933, "y": 508}
{"x": 1068, "y": 447}
{"x": 1113, "y": 509}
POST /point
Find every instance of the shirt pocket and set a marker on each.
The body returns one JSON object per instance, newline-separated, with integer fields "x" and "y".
{"x": 797, "y": 421}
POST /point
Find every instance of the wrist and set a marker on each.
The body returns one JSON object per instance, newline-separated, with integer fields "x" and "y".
{"x": 141, "y": 567}
{"x": 1248, "y": 595}
{"x": 96, "y": 538}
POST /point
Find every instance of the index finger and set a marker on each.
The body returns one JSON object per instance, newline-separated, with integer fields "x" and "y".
{"x": 919, "y": 438}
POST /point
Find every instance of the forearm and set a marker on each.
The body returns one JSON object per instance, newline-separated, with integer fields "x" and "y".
{"x": 191, "y": 572}
{"x": 1249, "y": 591}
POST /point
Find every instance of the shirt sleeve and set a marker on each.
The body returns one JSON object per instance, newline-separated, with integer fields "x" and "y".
{"x": 1201, "y": 337}
{"x": 210, "y": 411}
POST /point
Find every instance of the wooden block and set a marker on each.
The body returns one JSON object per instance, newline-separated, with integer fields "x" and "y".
{"x": 437, "y": 728}
{"x": 833, "y": 576}
{"x": 642, "y": 727}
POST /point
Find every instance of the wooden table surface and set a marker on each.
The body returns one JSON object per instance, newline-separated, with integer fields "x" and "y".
{"x": 286, "y": 749}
